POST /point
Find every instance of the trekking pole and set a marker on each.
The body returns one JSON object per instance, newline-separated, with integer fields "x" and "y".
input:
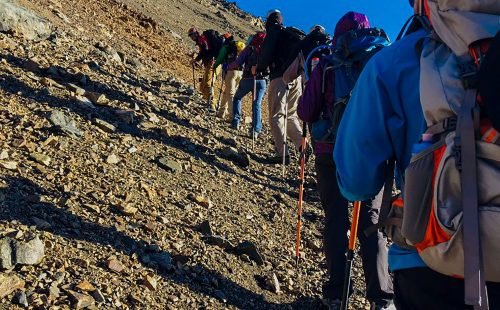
{"x": 301, "y": 191}
{"x": 254, "y": 98}
{"x": 220, "y": 91}
{"x": 194, "y": 77}
{"x": 284, "y": 130}
{"x": 350, "y": 254}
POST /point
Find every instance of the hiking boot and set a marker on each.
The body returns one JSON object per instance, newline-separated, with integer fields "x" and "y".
{"x": 274, "y": 160}
{"x": 382, "y": 306}
{"x": 254, "y": 134}
{"x": 235, "y": 126}
{"x": 332, "y": 304}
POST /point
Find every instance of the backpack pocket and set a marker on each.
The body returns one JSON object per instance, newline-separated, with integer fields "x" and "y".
{"x": 418, "y": 192}
{"x": 392, "y": 226}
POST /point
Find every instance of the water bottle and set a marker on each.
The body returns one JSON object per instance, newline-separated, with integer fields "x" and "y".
{"x": 427, "y": 141}
{"x": 314, "y": 63}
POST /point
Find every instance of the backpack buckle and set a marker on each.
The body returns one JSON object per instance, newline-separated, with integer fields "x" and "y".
{"x": 450, "y": 124}
{"x": 469, "y": 75}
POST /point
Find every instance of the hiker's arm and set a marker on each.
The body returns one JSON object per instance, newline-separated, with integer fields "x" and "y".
{"x": 311, "y": 102}
{"x": 203, "y": 45}
{"x": 364, "y": 138}
{"x": 220, "y": 57}
{"x": 267, "y": 51}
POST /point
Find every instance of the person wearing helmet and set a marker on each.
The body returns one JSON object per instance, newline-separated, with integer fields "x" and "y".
{"x": 206, "y": 56}
{"x": 281, "y": 96}
{"x": 383, "y": 121}
{"x": 232, "y": 76}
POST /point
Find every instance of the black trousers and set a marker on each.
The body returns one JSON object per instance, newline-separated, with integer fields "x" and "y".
{"x": 425, "y": 289}
{"x": 373, "y": 248}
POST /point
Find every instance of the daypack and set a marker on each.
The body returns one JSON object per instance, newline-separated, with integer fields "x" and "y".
{"x": 258, "y": 40}
{"x": 350, "y": 54}
{"x": 309, "y": 48}
{"x": 233, "y": 49}
{"x": 290, "y": 39}
{"x": 451, "y": 209}
{"x": 215, "y": 41}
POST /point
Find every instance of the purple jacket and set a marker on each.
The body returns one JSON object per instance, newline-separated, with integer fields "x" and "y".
{"x": 313, "y": 104}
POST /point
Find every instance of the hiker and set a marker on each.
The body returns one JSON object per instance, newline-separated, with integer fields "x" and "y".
{"x": 250, "y": 83}
{"x": 316, "y": 107}
{"x": 282, "y": 97}
{"x": 317, "y": 37}
{"x": 383, "y": 125}
{"x": 227, "y": 55}
{"x": 209, "y": 44}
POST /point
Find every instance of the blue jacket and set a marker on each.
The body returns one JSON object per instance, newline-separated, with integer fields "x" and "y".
{"x": 382, "y": 121}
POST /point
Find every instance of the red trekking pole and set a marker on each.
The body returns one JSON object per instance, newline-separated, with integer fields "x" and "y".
{"x": 301, "y": 191}
{"x": 350, "y": 254}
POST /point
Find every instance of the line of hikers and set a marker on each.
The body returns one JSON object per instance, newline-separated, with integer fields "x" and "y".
{"x": 409, "y": 130}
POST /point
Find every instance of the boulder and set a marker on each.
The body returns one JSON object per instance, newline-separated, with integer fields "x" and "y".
{"x": 23, "y": 22}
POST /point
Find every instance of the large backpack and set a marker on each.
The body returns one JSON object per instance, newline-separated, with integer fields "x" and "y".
{"x": 452, "y": 187}
{"x": 290, "y": 40}
{"x": 351, "y": 53}
{"x": 215, "y": 41}
{"x": 310, "y": 48}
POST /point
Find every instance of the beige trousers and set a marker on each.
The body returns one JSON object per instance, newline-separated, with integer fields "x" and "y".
{"x": 206, "y": 82}
{"x": 277, "y": 103}
{"x": 231, "y": 82}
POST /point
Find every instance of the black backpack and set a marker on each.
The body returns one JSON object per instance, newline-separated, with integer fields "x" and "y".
{"x": 489, "y": 80}
{"x": 312, "y": 42}
{"x": 291, "y": 38}
{"x": 215, "y": 40}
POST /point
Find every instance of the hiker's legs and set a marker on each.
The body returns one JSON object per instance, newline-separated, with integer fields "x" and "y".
{"x": 244, "y": 88}
{"x": 277, "y": 90}
{"x": 374, "y": 256}
{"x": 256, "y": 105}
{"x": 216, "y": 75}
{"x": 423, "y": 288}
{"x": 231, "y": 82}
{"x": 294, "y": 129}
{"x": 336, "y": 225}
{"x": 205, "y": 81}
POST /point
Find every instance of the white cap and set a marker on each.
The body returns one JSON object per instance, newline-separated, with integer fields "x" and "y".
{"x": 272, "y": 12}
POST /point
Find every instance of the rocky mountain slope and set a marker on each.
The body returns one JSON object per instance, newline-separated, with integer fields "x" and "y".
{"x": 117, "y": 190}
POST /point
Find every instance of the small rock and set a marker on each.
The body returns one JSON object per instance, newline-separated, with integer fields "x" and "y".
{"x": 115, "y": 265}
{"x": 127, "y": 209}
{"x": 9, "y": 283}
{"x": 247, "y": 120}
{"x": 65, "y": 124}
{"x": 84, "y": 103}
{"x": 29, "y": 253}
{"x": 162, "y": 260}
{"x": 273, "y": 283}
{"x": 98, "y": 296}
{"x": 79, "y": 300}
{"x": 170, "y": 165}
{"x": 85, "y": 286}
{"x": 103, "y": 125}
{"x": 96, "y": 98}
{"x": 202, "y": 201}
{"x": 4, "y": 155}
{"x": 150, "y": 282}
{"x": 21, "y": 299}
{"x": 92, "y": 207}
{"x": 112, "y": 159}
{"x": 54, "y": 292}
{"x": 75, "y": 89}
{"x": 6, "y": 253}
{"x": 219, "y": 241}
{"x": 221, "y": 296}
{"x": 132, "y": 150}
{"x": 247, "y": 247}
{"x": 205, "y": 228}
{"x": 9, "y": 165}
{"x": 41, "y": 158}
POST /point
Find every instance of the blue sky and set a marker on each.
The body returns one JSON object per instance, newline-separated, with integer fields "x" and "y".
{"x": 387, "y": 14}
